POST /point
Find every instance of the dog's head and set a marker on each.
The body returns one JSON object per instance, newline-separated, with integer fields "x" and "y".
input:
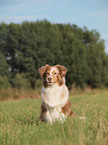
{"x": 53, "y": 74}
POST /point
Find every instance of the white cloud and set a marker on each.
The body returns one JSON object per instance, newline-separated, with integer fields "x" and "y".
{"x": 95, "y": 13}
{"x": 19, "y": 19}
{"x": 14, "y": 7}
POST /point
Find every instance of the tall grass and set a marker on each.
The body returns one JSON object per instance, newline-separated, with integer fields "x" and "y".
{"x": 15, "y": 93}
{"x": 19, "y": 124}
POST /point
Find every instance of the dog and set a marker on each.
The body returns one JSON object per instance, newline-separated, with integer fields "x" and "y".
{"x": 56, "y": 104}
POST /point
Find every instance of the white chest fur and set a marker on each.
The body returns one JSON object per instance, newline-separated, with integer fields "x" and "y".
{"x": 55, "y": 95}
{"x": 54, "y": 98}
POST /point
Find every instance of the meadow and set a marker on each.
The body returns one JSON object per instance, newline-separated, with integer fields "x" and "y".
{"x": 19, "y": 123}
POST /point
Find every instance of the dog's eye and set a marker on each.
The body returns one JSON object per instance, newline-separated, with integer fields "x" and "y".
{"x": 47, "y": 73}
{"x": 55, "y": 73}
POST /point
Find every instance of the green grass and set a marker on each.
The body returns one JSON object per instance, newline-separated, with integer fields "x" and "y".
{"x": 19, "y": 124}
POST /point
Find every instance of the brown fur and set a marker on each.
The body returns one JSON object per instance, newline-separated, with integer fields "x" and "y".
{"x": 67, "y": 108}
{"x": 43, "y": 111}
{"x": 44, "y": 76}
{"x": 62, "y": 70}
{"x": 60, "y": 81}
{"x": 43, "y": 69}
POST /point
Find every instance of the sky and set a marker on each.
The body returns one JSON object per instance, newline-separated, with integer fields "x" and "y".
{"x": 90, "y": 13}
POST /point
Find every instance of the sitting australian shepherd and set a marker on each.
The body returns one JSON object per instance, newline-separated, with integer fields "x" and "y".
{"x": 56, "y": 104}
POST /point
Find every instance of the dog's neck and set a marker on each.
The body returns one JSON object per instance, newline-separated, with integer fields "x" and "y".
{"x": 55, "y": 95}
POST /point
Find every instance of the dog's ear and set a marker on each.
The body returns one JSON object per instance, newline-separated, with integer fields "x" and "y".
{"x": 62, "y": 70}
{"x": 42, "y": 70}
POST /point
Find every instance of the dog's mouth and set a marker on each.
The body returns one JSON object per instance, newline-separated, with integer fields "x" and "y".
{"x": 51, "y": 83}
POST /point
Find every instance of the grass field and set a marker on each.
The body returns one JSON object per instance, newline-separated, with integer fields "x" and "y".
{"x": 19, "y": 124}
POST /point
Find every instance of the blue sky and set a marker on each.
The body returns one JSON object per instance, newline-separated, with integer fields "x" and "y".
{"x": 90, "y": 13}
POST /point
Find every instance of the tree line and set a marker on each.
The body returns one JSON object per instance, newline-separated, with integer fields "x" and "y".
{"x": 26, "y": 47}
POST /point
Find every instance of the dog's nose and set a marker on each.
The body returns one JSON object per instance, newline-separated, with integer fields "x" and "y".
{"x": 49, "y": 79}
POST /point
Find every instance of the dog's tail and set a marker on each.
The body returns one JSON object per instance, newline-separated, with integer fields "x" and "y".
{"x": 72, "y": 114}
{"x": 81, "y": 117}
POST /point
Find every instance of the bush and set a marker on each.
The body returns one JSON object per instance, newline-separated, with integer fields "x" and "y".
{"x": 38, "y": 83}
{"x": 20, "y": 82}
{"x": 4, "y": 83}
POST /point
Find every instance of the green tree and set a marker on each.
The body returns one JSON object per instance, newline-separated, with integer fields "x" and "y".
{"x": 4, "y": 83}
{"x": 4, "y": 67}
{"x": 20, "y": 82}
{"x": 26, "y": 47}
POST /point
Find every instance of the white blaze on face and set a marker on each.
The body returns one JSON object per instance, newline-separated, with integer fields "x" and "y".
{"x": 54, "y": 70}
{"x": 53, "y": 73}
